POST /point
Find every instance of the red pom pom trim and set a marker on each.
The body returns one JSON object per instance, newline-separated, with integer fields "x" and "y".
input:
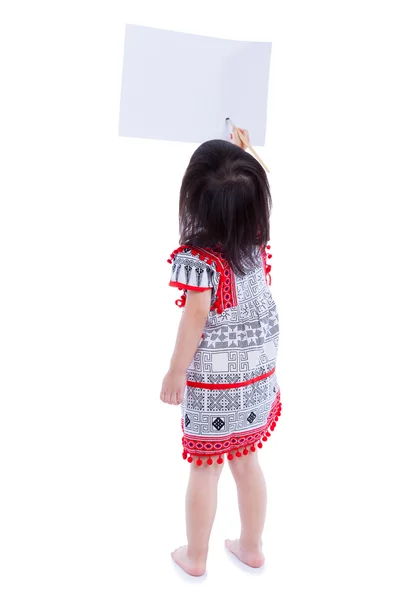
{"x": 235, "y": 451}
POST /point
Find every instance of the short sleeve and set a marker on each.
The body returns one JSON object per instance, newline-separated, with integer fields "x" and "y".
{"x": 190, "y": 270}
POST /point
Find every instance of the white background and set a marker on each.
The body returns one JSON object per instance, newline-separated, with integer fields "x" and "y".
{"x": 92, "y": 480}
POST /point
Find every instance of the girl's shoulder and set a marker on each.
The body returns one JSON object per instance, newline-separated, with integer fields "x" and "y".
{"x": 197, "y": 269}
{"x": 207, "y": 255}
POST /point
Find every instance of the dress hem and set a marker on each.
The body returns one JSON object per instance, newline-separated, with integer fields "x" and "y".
{"x": 241, "y": 443}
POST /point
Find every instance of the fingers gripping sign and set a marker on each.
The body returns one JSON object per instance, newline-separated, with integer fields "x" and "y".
{"x": 240, "y": 137}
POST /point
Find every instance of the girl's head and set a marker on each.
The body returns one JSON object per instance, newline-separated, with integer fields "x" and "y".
{"x": 225, "y": 199}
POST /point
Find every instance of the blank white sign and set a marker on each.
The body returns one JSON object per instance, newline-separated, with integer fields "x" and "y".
{"x": 182, "y": 87}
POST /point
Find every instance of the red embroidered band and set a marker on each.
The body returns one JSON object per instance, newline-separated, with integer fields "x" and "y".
{"x": 182, "y": 286}
{"x": 227, "y": 386}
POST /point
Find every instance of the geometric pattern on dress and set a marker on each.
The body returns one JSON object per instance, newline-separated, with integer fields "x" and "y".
{"x": 251, "y": 417}
{"x": 223, "y": 400}
{"x": 194, "y": 267}
{"x": 253, "y": 333}
{"x": 254, "y": 394}
{"x": 191, "y": 271}
{"x": 239, "y": 403}
{"x": 227, "y": 441}
{"x": 239, "y": 344}
{"x": 207, "y": 424}
{"x": 199, "y": 376}
{"x": 232, "y": 366}
{"x": 195, "y": 398}
{"x": 218, "y": 423}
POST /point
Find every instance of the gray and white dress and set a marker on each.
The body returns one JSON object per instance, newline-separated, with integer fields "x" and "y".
{"x": 232, "y": 398}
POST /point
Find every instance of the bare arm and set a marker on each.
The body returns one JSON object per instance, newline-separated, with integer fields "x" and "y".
{"x": 188, "y": 338}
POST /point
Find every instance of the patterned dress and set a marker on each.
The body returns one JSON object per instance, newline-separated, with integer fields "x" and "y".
{"x": 232, "y": 398}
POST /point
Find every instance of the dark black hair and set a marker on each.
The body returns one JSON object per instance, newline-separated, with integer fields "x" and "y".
{"x": 225, "y": 201}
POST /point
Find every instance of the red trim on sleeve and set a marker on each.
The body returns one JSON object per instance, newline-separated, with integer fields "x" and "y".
{"x": 225, "y": 294}
{"x": 191, "y": 288}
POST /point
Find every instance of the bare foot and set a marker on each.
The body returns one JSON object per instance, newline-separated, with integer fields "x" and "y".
{"x": 191, "y": 567}
{"x": 253, "y": 559}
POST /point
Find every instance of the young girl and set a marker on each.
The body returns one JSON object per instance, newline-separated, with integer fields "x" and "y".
{"x": 222, "y": 370}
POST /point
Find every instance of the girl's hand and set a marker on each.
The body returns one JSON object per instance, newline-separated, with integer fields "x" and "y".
{"x": 173, "y": 388}
{"x": 236, "y": 139}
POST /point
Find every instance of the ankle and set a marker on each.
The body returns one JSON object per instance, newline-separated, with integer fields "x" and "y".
{"x": 197, "y": 555}
{"x": 250, "y": 545}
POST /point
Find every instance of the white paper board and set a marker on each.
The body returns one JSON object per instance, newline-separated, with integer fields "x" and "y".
{"x": 181, "y": 87}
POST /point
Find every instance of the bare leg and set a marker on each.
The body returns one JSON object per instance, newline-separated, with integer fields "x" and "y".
{"x": 201, "y": 506}
{"x": 252, "y": 498}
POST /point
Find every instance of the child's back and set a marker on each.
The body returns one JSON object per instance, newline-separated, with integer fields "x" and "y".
{"x": 226, "y": 383}
{"x": 232, "y": 395}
